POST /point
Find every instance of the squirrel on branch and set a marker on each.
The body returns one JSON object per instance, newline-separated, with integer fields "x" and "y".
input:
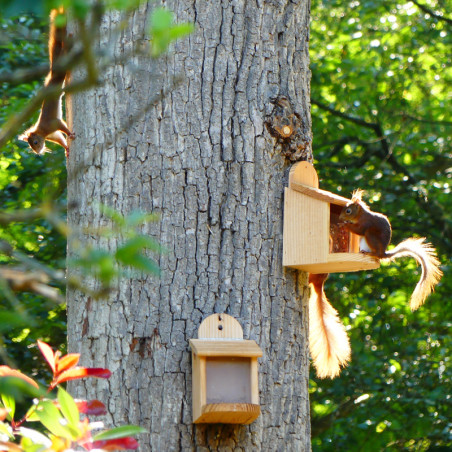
{"x": 50, "y": 124}
{"x": 376, "y": 232}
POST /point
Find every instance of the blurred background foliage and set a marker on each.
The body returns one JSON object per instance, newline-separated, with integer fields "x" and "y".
{"x": 33, "y": 230}
{"x": 381, "y": 77}
{"x": 381, "y": 93}
{"x": 27, "y": 180}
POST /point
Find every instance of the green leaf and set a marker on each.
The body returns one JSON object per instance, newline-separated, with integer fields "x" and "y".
{"x": 163, "y": 32}
{"x": 161, "y": 20}
{"x": 136, "y": 244}
{"x": 10, "y": 404}
{"x": 68, "y": 408}
{"x": 113, "y": 214}
{"x": 4, "y": 429}
{"x": 51, "y": 417}
{"x": 181, "y": 30}
{"x": 120, "y": 432}
{"x": 145, "y": 264}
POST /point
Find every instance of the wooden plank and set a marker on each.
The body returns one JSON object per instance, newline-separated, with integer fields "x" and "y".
{"x": 254, "y": 382}
{"x": 341, "y": 262}
{"x": 234, "y": 348}
{"x": 321, "y": 195}
{"x": 198, "y": 385}
{"x": 229, "y": 413}
{"x": 306, "y": 229}
{"x": 303, "y": 173}
{"x": 220, "y": 326}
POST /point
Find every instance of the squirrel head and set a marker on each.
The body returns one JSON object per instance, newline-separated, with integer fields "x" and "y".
{"x": 351, "y": 213}
{"x": 353, "y": 210}
{"x": 36, "y": 142}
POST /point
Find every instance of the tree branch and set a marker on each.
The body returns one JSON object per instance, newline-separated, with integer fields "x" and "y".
{"x": 431, "y": 12}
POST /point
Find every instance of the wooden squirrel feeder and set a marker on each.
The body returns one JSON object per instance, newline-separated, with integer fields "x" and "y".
{"x": 225, "y": 377}
{"x": 314, "y": 240}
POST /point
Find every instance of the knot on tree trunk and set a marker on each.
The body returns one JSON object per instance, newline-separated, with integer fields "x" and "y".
{"x": 286, "y": 126}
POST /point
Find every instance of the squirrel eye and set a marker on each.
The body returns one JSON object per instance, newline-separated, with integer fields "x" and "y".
{"x": 348, "y": 211}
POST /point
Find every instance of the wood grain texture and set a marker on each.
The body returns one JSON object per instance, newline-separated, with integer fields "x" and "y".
{"x": 203, "y": 160}
{"x": 225, "y": 347}
{"x": 229, "y": 413}
{"x": 220, "y": 326}
{"x": 307, "y": 227}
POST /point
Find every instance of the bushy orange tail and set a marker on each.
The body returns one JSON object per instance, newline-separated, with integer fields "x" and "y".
{"x": 425, "y": 255}
{"x": 328, "y": 341}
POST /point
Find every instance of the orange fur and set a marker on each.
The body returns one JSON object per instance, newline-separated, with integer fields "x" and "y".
{"x": 328, "y": 341}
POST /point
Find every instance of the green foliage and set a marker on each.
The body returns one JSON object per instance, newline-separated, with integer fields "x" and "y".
{"x": 163, "y": 32}
{"x": 26, "y": 181}
{"x": 60, "y": 416}
{"x": 31, "y": 183}
{"x": 108, "y": 266}
{"x": 381, "y": 79}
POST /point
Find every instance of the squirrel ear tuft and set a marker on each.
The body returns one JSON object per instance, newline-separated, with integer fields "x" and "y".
{"x": 23, "y": 137}
{"x": 357, "y": 195}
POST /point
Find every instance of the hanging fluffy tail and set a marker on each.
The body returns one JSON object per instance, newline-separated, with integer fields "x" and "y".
{"x": 425, "y": 255}
{"x": 328, "y": 341}
{"x": 57, "y": 36}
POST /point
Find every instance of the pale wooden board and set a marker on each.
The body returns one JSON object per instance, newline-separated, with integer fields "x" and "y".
{"x": 254, "y": 382}
{"x": 198, "y": 385}
{"x": 234, "y": 348}
{"x": 229, "y": 413}
{"x": 306, "y": 229}
{"x": 303, "y": 173}
{"x": 220, "y": 326}
{"x": 341, "y": 262}
{"x": 321, "y": 195}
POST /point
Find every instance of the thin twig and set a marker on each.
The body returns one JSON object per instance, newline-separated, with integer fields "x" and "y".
{"x": 431, "y": 12}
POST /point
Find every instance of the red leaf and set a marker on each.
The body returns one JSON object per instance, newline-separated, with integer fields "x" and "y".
{"x": 91, "y": 407}
{"x": 6, "y": 371}
{"x": 48, "y": 354}
{"x": 82, "y": 372}
{"x": 116, "y": 444}
{"x": 67, "y": 361}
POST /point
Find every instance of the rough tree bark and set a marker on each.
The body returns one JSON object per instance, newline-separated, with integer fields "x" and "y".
{"x": 203, "y": 160}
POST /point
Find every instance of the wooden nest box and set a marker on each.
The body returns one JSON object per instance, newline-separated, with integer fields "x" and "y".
{"x": 314, "y": 240}
{"x": 225, "y": 378}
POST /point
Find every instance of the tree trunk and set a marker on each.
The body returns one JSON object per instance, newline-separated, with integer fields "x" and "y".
{"x": 203, "y": 160}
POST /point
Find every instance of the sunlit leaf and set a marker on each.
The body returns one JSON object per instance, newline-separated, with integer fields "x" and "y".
{"x": 51, "y": 417}
{"x": 68, "y": 408}
{"x": 48, "y": 354}
{"x": 117, "y": 444}
{"x": 92, "y": 407}
{"x": 82, "y": 372}
{"x": 120, "y": 432}
{"x": 67, "y": 361}
{"x": 6, "y": 371}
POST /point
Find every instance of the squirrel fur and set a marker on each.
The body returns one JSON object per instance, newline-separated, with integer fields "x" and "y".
{"x": 376, "y": 232}
{"x": 50, "y": 124}
{"x": 328, "y": 341}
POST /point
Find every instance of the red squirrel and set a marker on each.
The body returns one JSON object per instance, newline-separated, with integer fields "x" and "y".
{"x": 328, "y": 341}
{"x": 50, "y": 125}
{"x": 376, "y": 232}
